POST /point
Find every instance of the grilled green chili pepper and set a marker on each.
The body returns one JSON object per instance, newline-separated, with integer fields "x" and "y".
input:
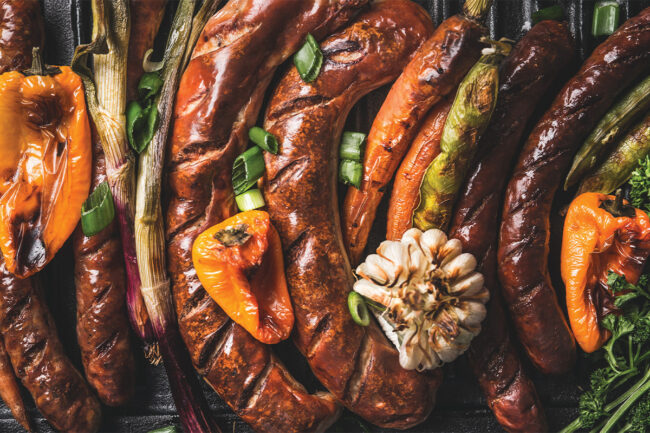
{"x": 467, "y": 120}
{"x": 618, "y": 167}
{"x": 619, "y": 118}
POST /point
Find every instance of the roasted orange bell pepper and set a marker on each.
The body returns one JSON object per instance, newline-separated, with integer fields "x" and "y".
{"x": 45, "y": 163}
{"x": 601, "y": 234}
{"x": 239, "y": 262}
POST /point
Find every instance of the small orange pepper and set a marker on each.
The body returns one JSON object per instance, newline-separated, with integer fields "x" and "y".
{"x": 601, "y": 234}
{"x": 45, "y": 163}
{"x": 239, "y": 263}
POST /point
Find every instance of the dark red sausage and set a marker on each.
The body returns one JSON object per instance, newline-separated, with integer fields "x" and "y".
{"x": 526, "y": 75}
{"x": 358, "y": 365}
{"x": 10, "y": 391}
{"x": 61, "y": 394}
{"x": 218, "y": 100}
{"x": 542, "y": 166}
{"x": 21, "y": 29}
{"x": 102, "y": 322}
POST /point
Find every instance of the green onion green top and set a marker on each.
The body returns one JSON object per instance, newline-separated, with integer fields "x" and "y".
{"x": 308, "y": 60}
{"x": 247, "y": 169}
{"x": 555, "y": 12}
{"x": 250, "y": 200}
{"x": 352, "y": 145}
{"x": 98, "y": 210}
{"x": 358, "y": 309}
{"x": 606, "y": 16}
{"x": 263, "y": 139}
{"x": 350, "y": 172}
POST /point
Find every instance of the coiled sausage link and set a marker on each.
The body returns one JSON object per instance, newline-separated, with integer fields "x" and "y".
{"x": 219, "y": 98}
{"x": 526, "y": 75}
{"x": 30, "y": 337}
{"x": 525, "y": 226}
{"x": 102, "y": 322}
{"x": 357, "y": 364}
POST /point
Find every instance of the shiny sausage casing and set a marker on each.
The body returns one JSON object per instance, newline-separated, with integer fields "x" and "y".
{"x": 102, "y": 322}
{"x": 437, "y": 68}
{"x": 59, "y": 391}
{"x": 9, "y": 389}
{"x": 525, "y": 76}
{"x": 21, "y": 29}
{"x": 358, "y": 365}
{"x": 542, "y": 166}
{"x": 219, "y": 98}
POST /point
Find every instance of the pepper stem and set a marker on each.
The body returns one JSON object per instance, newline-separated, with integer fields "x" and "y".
{"x": 617, "y": 208}
{"x": 38, "y": 66}
{"x": 476, "y": 9}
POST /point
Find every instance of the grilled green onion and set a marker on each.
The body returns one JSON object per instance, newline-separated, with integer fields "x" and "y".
{"x": 98, "y": 210}
{"x": 250, "y": 200}
{"x": 351, "y": 145}
{"x": 606, "y": 15}
{"x": 555, "y": 13}
{"x": 149, "y": 85}
{"x": 358, "y": 309}
{"x": 350, "y": 172}
{"x": 263, "y": 139}
{"x": 141, "y": 124}
{"x": 168, "y": 429}
{"x": 308, "y": 60}
{"x": 247, "y": 168}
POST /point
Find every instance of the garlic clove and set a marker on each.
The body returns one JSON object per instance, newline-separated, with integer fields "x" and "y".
{"x": 471, "y": 314}
{"x": 449, "y": 251}
{"x": 377, "y": 293}
{"x": 397, "y": 254}
{"x": 431, "y": 242}
{"x": 460, "y": 266}
{"x": 468, "y": 286}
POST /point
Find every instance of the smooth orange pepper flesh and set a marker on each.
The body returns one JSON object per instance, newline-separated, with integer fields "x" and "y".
{"x": 247, "y": 279}
{"x": 595, "y": 242}
{"x": 45, "y": 165}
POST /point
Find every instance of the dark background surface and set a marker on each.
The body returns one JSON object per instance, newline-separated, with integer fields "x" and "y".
{"x": 461, "y": 406}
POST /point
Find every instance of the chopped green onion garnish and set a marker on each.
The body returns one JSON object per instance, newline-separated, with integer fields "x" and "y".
{"x": 263, "y": 139}
{"x": 168, "y": 429}
{"x": 555, "y": 12}
{"x": 247, "y": 168}
{"x": 308, "y": 60}
{"x": 606, "y": 15}
{"x": 98, "y": 210}
{"x": 350, "y": 172}
{"x": 250, "y": 200}
{"x": 351, "y": 145}
{"x": 149, "y": 85}
{"x": 358, "y": 309}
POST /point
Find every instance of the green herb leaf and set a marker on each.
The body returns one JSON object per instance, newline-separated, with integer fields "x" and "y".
{"x": 309, "y": 60}
{"x": 640, "y": 186}
{"x": 149, "y": 86}
{"x": 263, "y": 139}
{"x": 141, "y": 124}
{"x": 98, "y": 210}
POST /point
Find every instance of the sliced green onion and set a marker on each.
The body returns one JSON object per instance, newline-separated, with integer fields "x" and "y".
{"x": 555, "y": 13}
{"x": 141, "y": 124}
{"x": 247, "y": 168}
{"x": 358, "y": 309}
{"x": 350, "y": 172}
{"x": 149, "y": 85}
{"x": 308, "y": 60}
{"x": 250, "y": 200}
{"x": 263, "y": 139}
{"x": 606, "y": 16}
{"x": 98, "y": 210}
{"x": 352, "y": 145}
{"x": 168, "y": 429}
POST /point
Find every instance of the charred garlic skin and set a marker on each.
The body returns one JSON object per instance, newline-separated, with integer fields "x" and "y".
{"x": 426, "y": 295}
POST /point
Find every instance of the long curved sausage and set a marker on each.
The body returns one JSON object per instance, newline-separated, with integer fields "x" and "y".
{"x": 524, "y": 238}
{"x": 437, "y": 68}
{"x": 102, "y": 322}
{"x": 219, "y": 98}
{"x": 10, "y": 391}
{"x": 21, "y": 29}
{"x": 525, "y": 76}
{"x": 60, "y": 392}
{"x": 358, "y": 365}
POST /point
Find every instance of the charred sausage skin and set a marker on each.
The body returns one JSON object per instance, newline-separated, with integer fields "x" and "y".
{"x": 102, "y": 321}
{"x": 358, "y": 365}
{"x": 219, "y": 99}
{"x": 525, "y": 76}
{"x": 30, "y": 337}
{"x": 10, "y": 391}
{"x": 21, "y": 29}
{"x": 525, "y": 227}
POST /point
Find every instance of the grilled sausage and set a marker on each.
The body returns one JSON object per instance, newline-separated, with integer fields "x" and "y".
{"x": 38, "y": 359}
{"x": 9, "y": 390}
{"x": 358, "y": 365}
{"x": 146, "y": 16}
{"x": 525, "y": 76}
{"x": 437, "y": 68}
{"x": 524, "y": 238}
{"x": 102, "y": 323}
{"x": 21, "y": 29}
{"x": 218, "y": 100}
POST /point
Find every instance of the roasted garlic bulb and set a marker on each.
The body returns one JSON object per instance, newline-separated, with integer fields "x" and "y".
{"x": 426, "y": 295}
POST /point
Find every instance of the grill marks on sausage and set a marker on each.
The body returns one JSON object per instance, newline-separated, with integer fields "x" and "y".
{"x": 213, "y": 346}
{"x": 296, "y": 105}
{"x": 251, "y": 394}
{"x": 356, "y": 380}
{"x": 289, "y": 173}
